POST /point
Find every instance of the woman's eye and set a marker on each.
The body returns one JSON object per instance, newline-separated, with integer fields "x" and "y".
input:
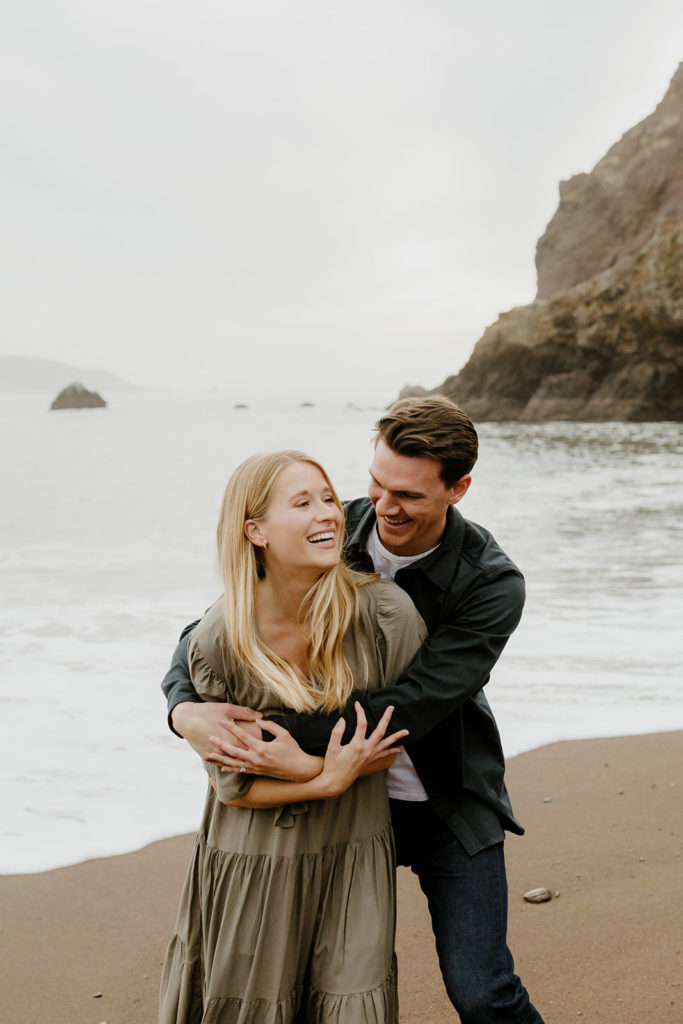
{"x": 329, "y": 500}
{"x": 301, "y": 504}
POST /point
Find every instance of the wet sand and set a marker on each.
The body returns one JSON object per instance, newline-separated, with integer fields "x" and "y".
{"x": 604, "y": 821}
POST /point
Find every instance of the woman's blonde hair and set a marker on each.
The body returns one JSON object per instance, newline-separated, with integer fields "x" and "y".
{"x": 329, "y": 607}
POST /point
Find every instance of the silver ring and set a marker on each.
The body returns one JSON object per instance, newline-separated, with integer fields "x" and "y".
{"x": 244, "y": 766}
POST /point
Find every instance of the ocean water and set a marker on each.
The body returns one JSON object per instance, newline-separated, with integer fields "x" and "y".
{"x": 107, "y": 526}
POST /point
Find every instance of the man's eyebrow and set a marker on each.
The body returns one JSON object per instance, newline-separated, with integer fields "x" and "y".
{"x": 400, "y": 490}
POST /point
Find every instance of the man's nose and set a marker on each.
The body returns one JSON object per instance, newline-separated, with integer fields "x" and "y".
{"x": 386, "y": 505}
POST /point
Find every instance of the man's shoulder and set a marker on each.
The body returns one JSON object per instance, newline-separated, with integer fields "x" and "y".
{"x": 482, "y": 552}
{"x": 355, "y": 509}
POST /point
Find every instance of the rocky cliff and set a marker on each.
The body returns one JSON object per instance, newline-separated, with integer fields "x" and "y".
{"x": 603, "y": 339}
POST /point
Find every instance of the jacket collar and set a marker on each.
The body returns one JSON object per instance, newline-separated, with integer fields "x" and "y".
{"x": 437, "y": 566}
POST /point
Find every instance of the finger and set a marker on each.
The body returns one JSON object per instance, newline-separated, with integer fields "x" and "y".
{"x": 224, "y": 761}
{"x": 233, "y": 750}
{"x": 388, "y": 741}
{"x": 273, "y": 728}
{"x": 361, "y": 722}
{"x": 244, "y": 738}
{"x": 383, "y": 724}
{"x": 226, "y": 764}
{"x": 235, "y": 766}
{"x": 243, "y": 714}
{"x": 336, "y": 735}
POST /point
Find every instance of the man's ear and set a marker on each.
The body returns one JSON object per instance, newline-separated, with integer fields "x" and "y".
{"x": 254, "y": 533}
{"x": 459, "y": 489}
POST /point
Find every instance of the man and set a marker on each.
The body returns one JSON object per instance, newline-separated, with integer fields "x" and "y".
{"x": 450, "y": 807}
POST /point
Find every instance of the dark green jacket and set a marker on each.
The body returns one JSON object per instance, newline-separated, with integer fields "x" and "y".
{"x": 471, "y": 596}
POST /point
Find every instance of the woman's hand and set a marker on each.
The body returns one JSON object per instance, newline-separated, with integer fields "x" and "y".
{"x": 280, "y": 758}
{"x": 361, "y": 755}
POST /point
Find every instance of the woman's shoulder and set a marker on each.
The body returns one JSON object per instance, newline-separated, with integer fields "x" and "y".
{"x": 209, "y": 633}
{"x": 384, "y": 600}
{"x": 208, "y": 653}
{"x": 388, "y": 615}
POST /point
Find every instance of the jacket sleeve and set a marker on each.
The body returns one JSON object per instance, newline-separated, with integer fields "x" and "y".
{"x": 454, "y": 662}
{"x": 177, "y": 684}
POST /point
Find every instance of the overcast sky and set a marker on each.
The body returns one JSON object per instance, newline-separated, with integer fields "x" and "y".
{"x": 306, "y": 194}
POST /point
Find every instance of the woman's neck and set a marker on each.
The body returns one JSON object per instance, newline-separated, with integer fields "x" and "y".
{"x": 280, "y": 594}
{"x": 278, "y": 607}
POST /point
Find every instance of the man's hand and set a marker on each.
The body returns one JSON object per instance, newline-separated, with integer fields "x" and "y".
{"x": 280, "y": 758}
{"x": 196, "y": 722}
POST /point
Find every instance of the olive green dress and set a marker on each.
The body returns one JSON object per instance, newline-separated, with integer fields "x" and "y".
{"x": 288, "y": 915}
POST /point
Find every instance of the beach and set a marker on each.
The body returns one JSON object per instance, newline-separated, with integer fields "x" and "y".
{"x": 604, "y": 821}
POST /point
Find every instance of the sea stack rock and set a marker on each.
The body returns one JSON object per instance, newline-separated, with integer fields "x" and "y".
{"x": 603, "y": 340}
{"x": 75, "y": 396}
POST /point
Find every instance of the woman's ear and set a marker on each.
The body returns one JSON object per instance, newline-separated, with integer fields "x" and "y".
{"x": 253, "y": 532}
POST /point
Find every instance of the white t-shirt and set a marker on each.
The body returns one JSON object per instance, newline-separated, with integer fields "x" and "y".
{"x": 403, "y": 782}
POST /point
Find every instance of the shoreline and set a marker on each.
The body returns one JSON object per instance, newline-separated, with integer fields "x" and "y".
{"x": 141, "y": 843}
{"x": 604, "y": 831}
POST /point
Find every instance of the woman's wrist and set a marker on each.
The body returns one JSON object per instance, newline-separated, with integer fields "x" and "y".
{"x": 325, "y": 787}
{"x": 309, "y": 767}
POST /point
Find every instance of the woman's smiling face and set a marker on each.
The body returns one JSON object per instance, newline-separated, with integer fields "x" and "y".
{"x": 302, "y": 526}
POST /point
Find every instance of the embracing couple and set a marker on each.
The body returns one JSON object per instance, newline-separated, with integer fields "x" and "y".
{"x": 296, "y": 688}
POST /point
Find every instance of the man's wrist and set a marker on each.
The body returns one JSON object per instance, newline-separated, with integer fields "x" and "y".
{"x": 180, "y": 716}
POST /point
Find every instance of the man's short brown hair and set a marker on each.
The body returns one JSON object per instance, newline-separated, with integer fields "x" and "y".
{"x": 432, "y": 427}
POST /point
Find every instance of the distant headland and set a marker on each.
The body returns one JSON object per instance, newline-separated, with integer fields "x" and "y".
{"x": 603, "y": 339}
{"x": 22, "y": 373}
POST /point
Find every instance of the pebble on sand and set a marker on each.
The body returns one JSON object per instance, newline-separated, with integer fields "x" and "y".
{"x": 540, "y": 895}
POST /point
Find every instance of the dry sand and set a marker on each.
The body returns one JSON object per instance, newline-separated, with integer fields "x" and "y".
{"x": 84, "y": 944}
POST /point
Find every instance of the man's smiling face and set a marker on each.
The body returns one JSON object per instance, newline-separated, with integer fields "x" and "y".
{"x": 410, "y": 499}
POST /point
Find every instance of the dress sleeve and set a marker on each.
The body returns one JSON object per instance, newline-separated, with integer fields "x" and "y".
{"x": 229, "y": 785}
{"x": 210, "y": 686}
{"x": 207, "y": 683}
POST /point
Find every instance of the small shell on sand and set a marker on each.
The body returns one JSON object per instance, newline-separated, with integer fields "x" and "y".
{"x": 540, "y": 895}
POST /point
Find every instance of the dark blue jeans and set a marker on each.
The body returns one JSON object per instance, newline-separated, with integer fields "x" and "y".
{"x": 467, "y": 899}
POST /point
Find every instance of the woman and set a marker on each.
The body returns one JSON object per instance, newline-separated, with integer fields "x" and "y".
{"x": 287, "y": 913}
